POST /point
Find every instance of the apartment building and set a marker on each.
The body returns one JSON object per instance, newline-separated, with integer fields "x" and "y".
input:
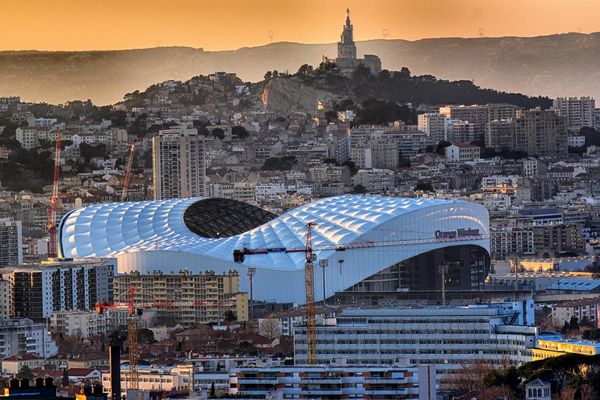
{"x": 334, "y": 381}
{"x": 462, "y": 152}
{"x": 11, "y": 242}
{"x": 187, "y": 298}
{"x": 23, "y": 336}
{"x": 500, "y": 134}
{"x": 178, "y": 163}
{"x": 434, "y": 125}
{"x": 40, "y": 289}
{"x": 578, "y": 111}
{"x": 584, "y": 310}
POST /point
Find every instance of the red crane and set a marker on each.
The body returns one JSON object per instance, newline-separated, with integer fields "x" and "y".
{"x": 51, "y": 223}
{"x": 135, "y": 311}
{"x": 128, "y": 171}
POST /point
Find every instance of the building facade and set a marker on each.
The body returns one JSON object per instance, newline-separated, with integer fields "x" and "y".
{"x": 578, "y": 111}
{"x": 11, "y": 243}
{"x": 333, "y": 382}
{"x": 447, "y": 338}
{"x": 187, "y": 298}
{"x": 38, "y": 290}
{"x": 178, "y": 163}
{"x": 22, "y": 336}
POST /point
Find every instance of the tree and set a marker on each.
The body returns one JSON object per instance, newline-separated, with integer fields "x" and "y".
{"x": 230, "y": 316}
{"x": 441, "y": 147}
{"x": 213, "y": 391}
{"x": 359, "y": 189}
{"x": 351, "y": 166}
{"x": 218, "y": 133}
{"x": 25, "y": 373}
{"x": 268, "y": 75}
{"x": 239, "y": 132}
{"x": 284, "y": 163}
{"x": 424, "y": 186}
{"x": 146, "y": 336}
{"x": 269, "y": 327}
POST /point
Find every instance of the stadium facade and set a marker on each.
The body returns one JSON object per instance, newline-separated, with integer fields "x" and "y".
{"x": 370, "y": 243}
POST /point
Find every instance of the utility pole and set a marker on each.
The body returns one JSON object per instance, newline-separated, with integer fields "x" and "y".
{"x": 324, "y": 264}
{"x": 443, "y": 270}
{"x": 251, "y": 271}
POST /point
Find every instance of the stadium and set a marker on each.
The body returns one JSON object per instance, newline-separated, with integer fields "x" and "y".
{"x": 363, "y": 243}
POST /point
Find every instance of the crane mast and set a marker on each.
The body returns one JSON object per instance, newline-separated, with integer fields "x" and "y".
{"x": 51, "y": 223}
{"x": 309, "y": 271}
{"x": 239, "y": 256}
{"x": 132, "y": 340}
{"x": 128, "y": 171}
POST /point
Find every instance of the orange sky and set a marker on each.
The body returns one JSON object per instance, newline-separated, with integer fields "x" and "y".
{"x": 230, "y": 24}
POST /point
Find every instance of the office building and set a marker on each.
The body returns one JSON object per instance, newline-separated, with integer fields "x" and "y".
{"x": 578, "y": 111}
{"x": 359, "y": 236}
{"x": 38, "y": 290}
{"x": 445, "y": 337}
{"x": 178, "y": 163}
{"x": 11, "y": 243}
{"x": 333, "y": 382}
{"x": 187, "y": 298}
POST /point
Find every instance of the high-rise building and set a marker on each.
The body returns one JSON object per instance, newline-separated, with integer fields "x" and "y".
{"x": 178, "y": 162}
{"x": 542, "y": 134}
{"x": 11, "y": 243}
{"x": 476, "y": 115}
{"x": 434, "y": 125}
{"x": 500, "y": 134}
{"x": 444, "y": 337}
{"x": 579, "y": 111}
{"x": 38, "y": 290}
{"x": 196, "y": 298}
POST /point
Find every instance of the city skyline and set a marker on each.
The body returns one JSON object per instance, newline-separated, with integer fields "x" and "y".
{"x": 232, "y": 24}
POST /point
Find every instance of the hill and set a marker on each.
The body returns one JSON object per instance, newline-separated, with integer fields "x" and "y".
{"x": 556, "y": 65}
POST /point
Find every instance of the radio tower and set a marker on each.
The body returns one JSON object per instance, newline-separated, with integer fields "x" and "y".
{"x": 385, "y": 33}
{"x": 271, "y": 35}
{"x": 51, "y": 223}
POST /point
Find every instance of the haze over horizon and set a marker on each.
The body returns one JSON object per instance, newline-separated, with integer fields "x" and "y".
{"x": 231, "y": 24}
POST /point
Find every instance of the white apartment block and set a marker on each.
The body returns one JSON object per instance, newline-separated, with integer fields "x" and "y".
{"x": 83, "y": 324}
{"x": 178, "y": 163}
{"x": 579, "y": 111}
{"x": 447, "y": 338}
{"x": 22, "y": 336}
{"x": 462, "y": 152}
{"x": 334, "y": 381}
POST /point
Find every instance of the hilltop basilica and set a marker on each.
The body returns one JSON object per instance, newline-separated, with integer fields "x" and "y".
{"x": 346, "y": 59}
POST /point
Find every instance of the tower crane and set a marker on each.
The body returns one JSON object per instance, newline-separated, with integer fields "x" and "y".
{"x": 128, "y": 171}
{"x": 132, "y": 335}
{"x": 51, "y": 222}
{"x": 135, "y": 312}
{"x": 239, "y": 256}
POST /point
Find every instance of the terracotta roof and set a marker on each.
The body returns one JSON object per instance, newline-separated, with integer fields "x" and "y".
{"x": 24, "y": 357}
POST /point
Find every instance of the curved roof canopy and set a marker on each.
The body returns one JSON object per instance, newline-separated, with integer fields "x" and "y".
{"x": 214, "y": 228}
